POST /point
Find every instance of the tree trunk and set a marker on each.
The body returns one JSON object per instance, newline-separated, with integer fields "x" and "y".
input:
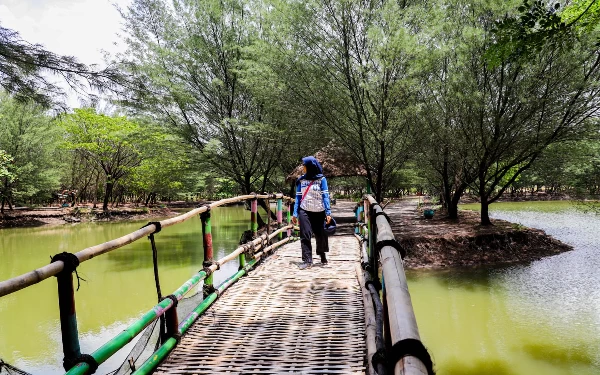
{"x": 453, "y": 202}
{"x": 107, "y": 194}
{"x": 485, "y": 211}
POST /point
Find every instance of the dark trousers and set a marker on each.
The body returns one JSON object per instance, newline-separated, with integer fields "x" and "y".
{"x": 312, "y": 222}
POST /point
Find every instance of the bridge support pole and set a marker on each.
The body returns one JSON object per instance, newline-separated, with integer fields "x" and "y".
{"x": 68, "y": 319}
{"x": 268, "y": 202}
{"x": 279, "y": 217}
{"x": 208, "y": 251}
{"x": 372, "y": 239}
{"x": 253, "y": 217}
{"x": 289, "y": 218}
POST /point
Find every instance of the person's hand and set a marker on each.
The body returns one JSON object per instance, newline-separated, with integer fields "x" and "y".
{"x": 328, "y": 219}
{"x": 294, "y": 220}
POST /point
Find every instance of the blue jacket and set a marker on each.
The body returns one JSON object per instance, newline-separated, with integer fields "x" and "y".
{"x": 314, "y": 172}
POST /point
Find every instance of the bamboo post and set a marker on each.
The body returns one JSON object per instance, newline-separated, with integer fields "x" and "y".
{"x": 253, "y": 216}
{"x": 242, "y": 260}
{"x": 372, "y": 239}
{"x": 68, "y": 319}
{"x": 356, "y": 228}
{"x": 279, "y": 216}
{"x": 117, "y": 343}
{"x": 208, "y": 250}
{"x": 370, "y": 322}
{"x": 289, "y": 218}
{"x": 268, "y": 216}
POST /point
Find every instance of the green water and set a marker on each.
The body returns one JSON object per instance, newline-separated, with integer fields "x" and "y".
{"x": 537, "y": 318}
{"x": 119, "y": 286}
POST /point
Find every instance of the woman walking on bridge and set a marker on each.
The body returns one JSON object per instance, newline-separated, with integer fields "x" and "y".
{"x": 312, "y": 209}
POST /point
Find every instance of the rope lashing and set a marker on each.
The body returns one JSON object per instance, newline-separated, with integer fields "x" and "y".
{"x": 381, "y": 213}
{"x": 177, "y": 336}
{"x": 172, "y": 298}
{"x": 208, "y": 263}
{"x": 206, "y": 267}
{"x": 375, "y": 283}
{"x": 365, "y": 266}
{"x": 249, "y": 249}
{"x": 206, "y": 214}
{"x": 158, "y": 228}
{"x": 157, "y": 225}
{"x": 71, "y": 262}
{"x": 377, "y": 358}
{"x": 82, "y": 358}
{"x": 413, "y": 348}
{"x": 393, "y": 243}
{"x": 209, "y": 289}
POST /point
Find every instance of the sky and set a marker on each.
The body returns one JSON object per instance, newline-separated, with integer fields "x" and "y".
{"x": 80, "y": 28}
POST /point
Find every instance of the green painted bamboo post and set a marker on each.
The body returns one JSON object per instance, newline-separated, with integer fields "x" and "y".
{"x": 208, "y": 250}
{"x": 358, "y": 229}
{"x": 68, "y": 319}
{"x": 279, "y": 216}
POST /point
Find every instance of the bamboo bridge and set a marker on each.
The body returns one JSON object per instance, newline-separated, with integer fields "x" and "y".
{"x": 329, "y": 319}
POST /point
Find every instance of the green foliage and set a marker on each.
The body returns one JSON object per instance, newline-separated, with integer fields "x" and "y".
{"x": 5, "y": 162}
{"x": 111, "y": 144}
{"x": 28, "y": 139}
{"x": 188, "y": 58}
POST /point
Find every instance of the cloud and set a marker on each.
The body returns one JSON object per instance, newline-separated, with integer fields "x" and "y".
{"x": 79, "y": 28}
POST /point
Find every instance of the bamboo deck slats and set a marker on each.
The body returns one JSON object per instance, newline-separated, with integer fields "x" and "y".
{"x": 280, "y": 319}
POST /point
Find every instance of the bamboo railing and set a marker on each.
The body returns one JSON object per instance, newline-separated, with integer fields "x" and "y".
{"x": 63, "y": 267}
{"x": 402, "y": 352}
{"x": 19, "y": 282}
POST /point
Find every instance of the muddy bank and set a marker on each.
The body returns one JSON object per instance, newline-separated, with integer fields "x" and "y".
{"x": 440, "y": 243}
{"x": 58, "y": 216}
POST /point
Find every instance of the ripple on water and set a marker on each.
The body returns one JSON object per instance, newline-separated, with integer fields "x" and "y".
{"x": 537, "y": 318}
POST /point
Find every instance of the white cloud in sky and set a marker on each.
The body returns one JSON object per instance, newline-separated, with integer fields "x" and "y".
{"x": 80, "y": 28}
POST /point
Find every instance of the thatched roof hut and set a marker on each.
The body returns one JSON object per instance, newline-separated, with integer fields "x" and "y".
{"x": 336, "y": 162}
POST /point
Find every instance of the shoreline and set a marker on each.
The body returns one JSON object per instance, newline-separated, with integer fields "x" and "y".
{"x": 53, "y": 216}
{"x": 440, "y": 243}
{"x": 431, "y": 244}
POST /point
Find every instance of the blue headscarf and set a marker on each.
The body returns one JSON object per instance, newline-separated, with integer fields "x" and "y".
{"x": 314, "y": 171}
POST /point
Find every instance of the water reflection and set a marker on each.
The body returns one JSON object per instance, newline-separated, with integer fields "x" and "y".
{"x": 538, "y": 318}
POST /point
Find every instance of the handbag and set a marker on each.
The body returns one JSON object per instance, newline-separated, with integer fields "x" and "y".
{"x": 330, "y": 228}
